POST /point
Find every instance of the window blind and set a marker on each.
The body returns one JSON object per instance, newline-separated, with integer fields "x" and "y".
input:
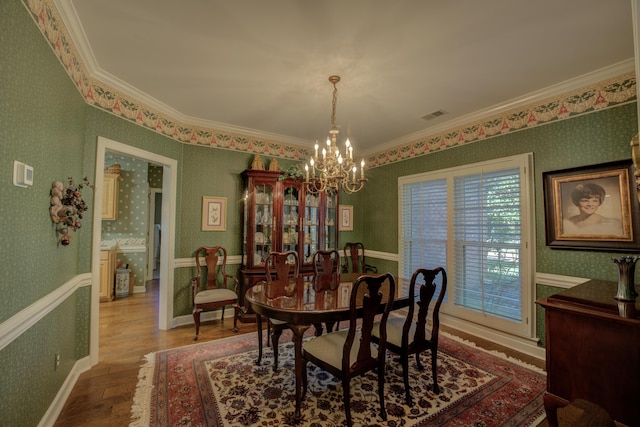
{"x": 424, "y": 226}
{"x": 487, "y": 228}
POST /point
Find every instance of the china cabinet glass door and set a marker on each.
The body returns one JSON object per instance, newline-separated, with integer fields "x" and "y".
{"x": 264, "y": 222}
{"x": 290, "y": 219}
{"x": 311, "y": 224}
{"x": 331, "y": 222}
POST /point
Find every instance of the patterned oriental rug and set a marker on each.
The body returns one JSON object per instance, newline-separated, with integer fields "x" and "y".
{"x": 217, "y": 383}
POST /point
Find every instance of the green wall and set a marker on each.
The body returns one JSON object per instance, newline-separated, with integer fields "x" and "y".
{"x": 42, "y": 123}
{"x": 36, "y": 131}
{"x": 46, "y": 124}
{"x": 585, "y": 140}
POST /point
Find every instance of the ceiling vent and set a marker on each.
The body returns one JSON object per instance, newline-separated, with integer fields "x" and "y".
{"x": 434, "y": 115}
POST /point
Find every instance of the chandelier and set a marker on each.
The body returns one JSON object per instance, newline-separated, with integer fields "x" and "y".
{"x": 332, "y": 171}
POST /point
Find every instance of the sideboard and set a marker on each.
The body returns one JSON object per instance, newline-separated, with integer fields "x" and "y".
{"x": 593, "y": 349}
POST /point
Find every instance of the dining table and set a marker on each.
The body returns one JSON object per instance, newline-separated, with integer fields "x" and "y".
{"x": 302, "y": 307}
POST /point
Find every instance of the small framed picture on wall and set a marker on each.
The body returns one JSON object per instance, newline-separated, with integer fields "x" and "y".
{"x": 214, "y": 213}
{"x": 345, "y": 218}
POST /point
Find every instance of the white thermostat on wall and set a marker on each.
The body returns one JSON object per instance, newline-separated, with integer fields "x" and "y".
{"x": 22, "y": 174}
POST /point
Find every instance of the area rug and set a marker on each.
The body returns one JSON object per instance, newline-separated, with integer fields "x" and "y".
{"x": 217, "y": 383}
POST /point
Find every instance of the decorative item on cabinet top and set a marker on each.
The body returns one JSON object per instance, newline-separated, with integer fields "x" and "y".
{"x": 257, "y": 164}
{"x": 274, "y": 166}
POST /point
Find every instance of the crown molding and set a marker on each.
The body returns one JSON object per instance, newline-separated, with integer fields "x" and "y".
{"x": 76, "y": 32}
{"x": 605, "y": 88}
{"x": 570, "y": 85}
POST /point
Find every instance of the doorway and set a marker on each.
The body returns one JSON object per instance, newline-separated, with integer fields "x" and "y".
{"x": 154, "y": 234}
{"x": 167, "y": 224}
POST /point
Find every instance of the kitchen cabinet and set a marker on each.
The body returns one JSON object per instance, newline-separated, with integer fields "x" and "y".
{"x": 107, "y": 274}
{"x": 110, "y": 197}
{"x": 280, "y": 215}
{"x": 592, "y": 349}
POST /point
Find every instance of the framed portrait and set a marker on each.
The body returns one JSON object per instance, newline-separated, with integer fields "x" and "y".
{"x": 214, "y": 213}
{"x": 592, "y": 207}
{"x": 345, "y": 218}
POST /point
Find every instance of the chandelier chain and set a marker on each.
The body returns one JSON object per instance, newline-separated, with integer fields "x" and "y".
{"x": 333, "y": 107}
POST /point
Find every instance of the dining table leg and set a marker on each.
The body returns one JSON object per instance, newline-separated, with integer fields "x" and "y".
{"x": 259, "y": 325}
{"x": 298, "y": 334}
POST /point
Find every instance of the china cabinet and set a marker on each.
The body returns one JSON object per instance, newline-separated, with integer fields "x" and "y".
{"x": 280, "y": 216}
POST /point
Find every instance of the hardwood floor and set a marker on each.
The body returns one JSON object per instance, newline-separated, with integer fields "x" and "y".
{"x": 128, "y": 331}
{"x": 102, "y": 396}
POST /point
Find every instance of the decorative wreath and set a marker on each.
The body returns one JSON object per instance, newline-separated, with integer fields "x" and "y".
{"x": 67, "y": 207}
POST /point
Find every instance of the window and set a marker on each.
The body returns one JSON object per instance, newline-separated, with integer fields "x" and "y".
{"x": 476, "y": 222}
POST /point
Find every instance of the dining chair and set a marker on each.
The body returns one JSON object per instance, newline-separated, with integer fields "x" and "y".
{"x": 326, "y": 277}
{"x": 350, "y": 353}
{"x": 281, "y": 272}
{"x": 408, "y": 335}
{"x": 354, "y": 259}
{"x": 211, "y": 261}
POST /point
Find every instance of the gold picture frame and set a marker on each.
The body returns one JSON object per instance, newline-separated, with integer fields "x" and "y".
{"x": 345, "y": 218}
{"x": 592, "y": 207}
{"x": 214, "y": 213}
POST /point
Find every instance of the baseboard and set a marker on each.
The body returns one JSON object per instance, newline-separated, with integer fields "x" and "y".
{"x": 523, "y": 345}
{"x": 204, "y": 317}
{"x": 50, "y": 417}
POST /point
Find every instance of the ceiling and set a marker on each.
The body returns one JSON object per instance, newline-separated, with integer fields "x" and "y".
{"x": 262, "y": 66}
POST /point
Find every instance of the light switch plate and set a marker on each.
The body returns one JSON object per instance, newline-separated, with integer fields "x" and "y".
{"x": 22, "y": 174}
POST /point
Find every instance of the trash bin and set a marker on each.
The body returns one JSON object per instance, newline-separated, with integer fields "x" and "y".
{"x": 122, "y": 282}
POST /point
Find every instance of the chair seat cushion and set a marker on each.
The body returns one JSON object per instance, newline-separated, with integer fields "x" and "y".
{"x": 277, "y": 322}
{"x": 329, "y": 347}
{"x": 394, "y": 331}
{"x": 214, "y": 295}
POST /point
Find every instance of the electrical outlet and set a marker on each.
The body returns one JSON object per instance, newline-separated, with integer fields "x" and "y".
{"x": 57, "y": 361}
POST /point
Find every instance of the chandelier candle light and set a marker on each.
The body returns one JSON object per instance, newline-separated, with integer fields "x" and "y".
{"x": 332, "y": 171}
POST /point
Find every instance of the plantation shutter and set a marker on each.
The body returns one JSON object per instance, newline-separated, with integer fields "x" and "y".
{"x": 487, "y": 243}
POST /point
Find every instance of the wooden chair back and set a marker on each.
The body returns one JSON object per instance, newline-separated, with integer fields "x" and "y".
{"x": 354, "y": 261}
{"x": 425, "y": 293}
{"x": 399, "y": 330}
{"x": 207, "y": 259}
{"x": 326, "y": 276}
{"x": 281, "y": 272}
{"x": 211, "y": 290}
{"x": 367, "y": 292}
